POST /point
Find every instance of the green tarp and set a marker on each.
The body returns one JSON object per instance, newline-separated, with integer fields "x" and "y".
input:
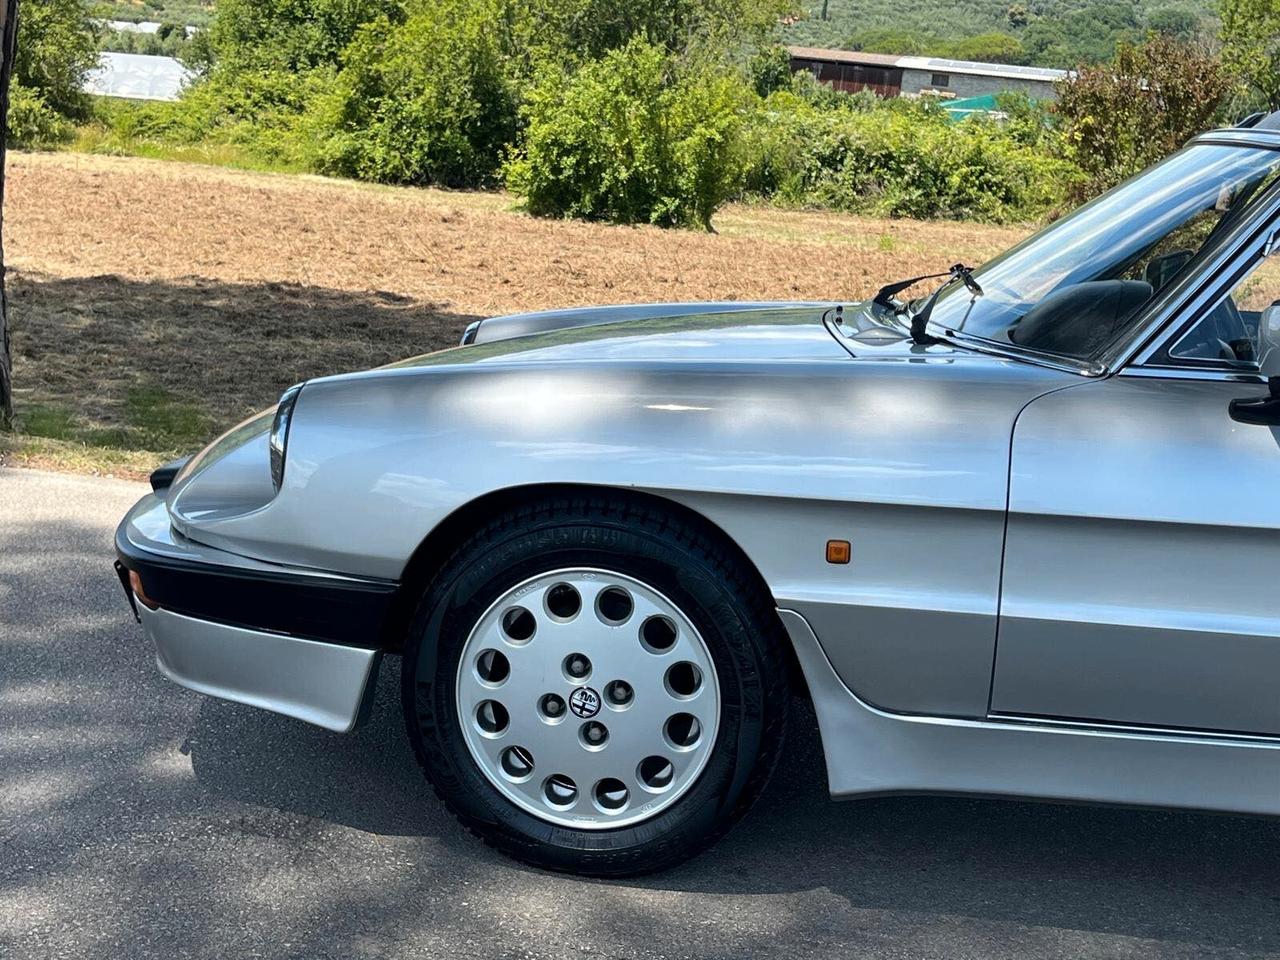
{"x": 959, "y": 109}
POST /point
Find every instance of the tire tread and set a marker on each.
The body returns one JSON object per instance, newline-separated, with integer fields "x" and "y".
{"x": 710, "y": 548}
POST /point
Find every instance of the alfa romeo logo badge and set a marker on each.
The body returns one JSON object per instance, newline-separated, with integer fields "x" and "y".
{"x": 584, "y": 702}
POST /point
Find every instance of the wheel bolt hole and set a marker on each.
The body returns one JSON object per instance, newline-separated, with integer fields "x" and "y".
{"x": 493, "y": 667}
{"x": 658, "y": 634}
{"x": 492, "y": 717}
{"x": 614, "y": 605}
{"x": 577, "y": 666}
{"x": 619, "y": 693}
{"x": 563, "y": 601}
{"x": 656, "y": 773}
{"x": 517, "y": 763}
{"x": 519, "y": 625}
{"x": 552, "y": 707}
{"x": 594, "y": 735}
{"x": 683, "y": 679}
{"x": 560, "y": 791}
{"x": 611, "y": 794}
{"x": 682, "y": 730}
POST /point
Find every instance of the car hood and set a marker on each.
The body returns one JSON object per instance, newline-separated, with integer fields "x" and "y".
{"x": 757, "y": 401}
{"x": 706, "y": 332}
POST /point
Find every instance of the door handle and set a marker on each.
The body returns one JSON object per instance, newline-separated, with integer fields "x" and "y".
{"x": 1263, "y": 411}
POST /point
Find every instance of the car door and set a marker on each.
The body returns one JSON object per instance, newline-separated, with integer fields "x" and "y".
{"x": 1141, "y": 581}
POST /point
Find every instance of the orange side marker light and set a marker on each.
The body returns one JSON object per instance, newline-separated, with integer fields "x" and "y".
{"x": 839, "y": 551}
{"x": 135, "y": 582}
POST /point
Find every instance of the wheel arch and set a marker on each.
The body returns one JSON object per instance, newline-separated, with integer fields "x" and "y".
{"x": 442, "y": 542}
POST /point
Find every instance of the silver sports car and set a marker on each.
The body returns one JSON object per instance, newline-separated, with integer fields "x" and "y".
{"x": 1018, "y": 536}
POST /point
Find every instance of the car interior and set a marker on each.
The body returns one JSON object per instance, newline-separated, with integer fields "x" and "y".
{"x": 1079, "y": 320}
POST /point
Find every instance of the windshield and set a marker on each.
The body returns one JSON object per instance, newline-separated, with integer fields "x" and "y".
{"x": 1073, "y": 288}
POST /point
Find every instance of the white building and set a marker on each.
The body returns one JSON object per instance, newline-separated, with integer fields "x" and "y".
{"x": 137, "y": 77}
{"x": 894, "y": 76}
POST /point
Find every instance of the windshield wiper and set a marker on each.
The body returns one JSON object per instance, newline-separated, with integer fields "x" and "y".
{"x": 920, "y": 319}
{"x": 884, "y": 296}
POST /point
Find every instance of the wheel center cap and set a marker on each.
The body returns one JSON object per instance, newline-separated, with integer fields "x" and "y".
{"x": 584, "y": 702}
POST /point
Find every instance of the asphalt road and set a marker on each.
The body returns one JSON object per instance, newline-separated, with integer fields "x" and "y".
{"x": 141, "y": 820}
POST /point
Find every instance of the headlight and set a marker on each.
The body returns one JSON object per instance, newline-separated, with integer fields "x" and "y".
{"x": 279, "y": 438}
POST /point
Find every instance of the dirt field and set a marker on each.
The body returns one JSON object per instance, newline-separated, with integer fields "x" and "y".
{"x": 155, "y": 303}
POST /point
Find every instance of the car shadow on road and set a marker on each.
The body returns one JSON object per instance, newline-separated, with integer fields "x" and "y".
{"x": 1170, "y": 876}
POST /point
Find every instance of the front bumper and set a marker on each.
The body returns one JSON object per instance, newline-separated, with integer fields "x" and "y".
{"x": 297, "y": 642}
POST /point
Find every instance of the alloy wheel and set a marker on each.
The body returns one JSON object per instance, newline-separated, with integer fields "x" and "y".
{"x": 588, "y": 698}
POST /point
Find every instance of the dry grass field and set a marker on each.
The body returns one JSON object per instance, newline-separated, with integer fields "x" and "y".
{"x": 153, "y": 304}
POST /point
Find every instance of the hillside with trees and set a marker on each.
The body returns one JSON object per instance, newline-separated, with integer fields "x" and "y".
{"x": 1048, "y": 33}
{"x": 657, "y": 113}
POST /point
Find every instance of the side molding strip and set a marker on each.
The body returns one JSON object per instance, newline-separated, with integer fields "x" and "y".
{"x": 870, "y": 752}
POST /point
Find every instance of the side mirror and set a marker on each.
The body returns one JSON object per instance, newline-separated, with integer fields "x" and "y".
{"x": 1265, "y": 411}
{"x": 1262, "y": 411}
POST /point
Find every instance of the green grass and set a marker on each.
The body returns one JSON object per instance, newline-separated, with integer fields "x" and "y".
{"x": 151, "y": 420}
{"x": 163, "y": 423}
{"x": 98, "y": 139}
{"x": 42, "y": 453}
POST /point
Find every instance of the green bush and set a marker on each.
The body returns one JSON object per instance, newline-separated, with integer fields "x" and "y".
{"x": 288, "y": 35}
{"x": 631, "y": 138}
{"x": 258, "y": 111}
{"x": 170, "y": 40}
{"x": 262, "y": 65}
{"x": 1031, "y": 123}
{"x": 31, "y": 121}
{"x": 1119, "y": 118}
{"x": 57, "y": 47}
{"x": 898, "y": 159}
{"x": 770, "y": 70}
{"x": 426, "y": 102}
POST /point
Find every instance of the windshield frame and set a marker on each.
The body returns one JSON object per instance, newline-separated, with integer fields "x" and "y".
{"x": 1164, "y": 308}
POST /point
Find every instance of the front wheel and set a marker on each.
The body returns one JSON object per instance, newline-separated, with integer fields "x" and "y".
{"x": 593, "y": 686}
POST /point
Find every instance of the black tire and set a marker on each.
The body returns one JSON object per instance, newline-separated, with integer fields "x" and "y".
{"x": 687, "y": 562}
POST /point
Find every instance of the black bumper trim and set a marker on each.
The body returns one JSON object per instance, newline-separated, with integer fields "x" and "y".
{"x": 345, "y": 611}
{"x": 162, "y": 477}
{"x": 123, "y": 573}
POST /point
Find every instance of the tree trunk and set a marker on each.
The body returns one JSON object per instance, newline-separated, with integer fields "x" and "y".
{"x": 8, "y": 46}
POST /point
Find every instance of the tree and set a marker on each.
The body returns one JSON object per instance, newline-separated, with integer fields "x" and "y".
{"x": 8, "y": 45}
{"x": 592, "y": 28}
{"x": 59, "y": 46}
{"x": 1145, "y": 104}
{"x": 1018, "y": 16}
{"x": 1251, "y": 46}
{"x": 770, "y": 70}
{"x": 894, "y": 40}
{"x": 289, "y": 35}
{"x": 1181, "y": 23}
{"x": 57, "y": 49}
{"x": 986, "y": 48}
{"x": 1086, "y": 35}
